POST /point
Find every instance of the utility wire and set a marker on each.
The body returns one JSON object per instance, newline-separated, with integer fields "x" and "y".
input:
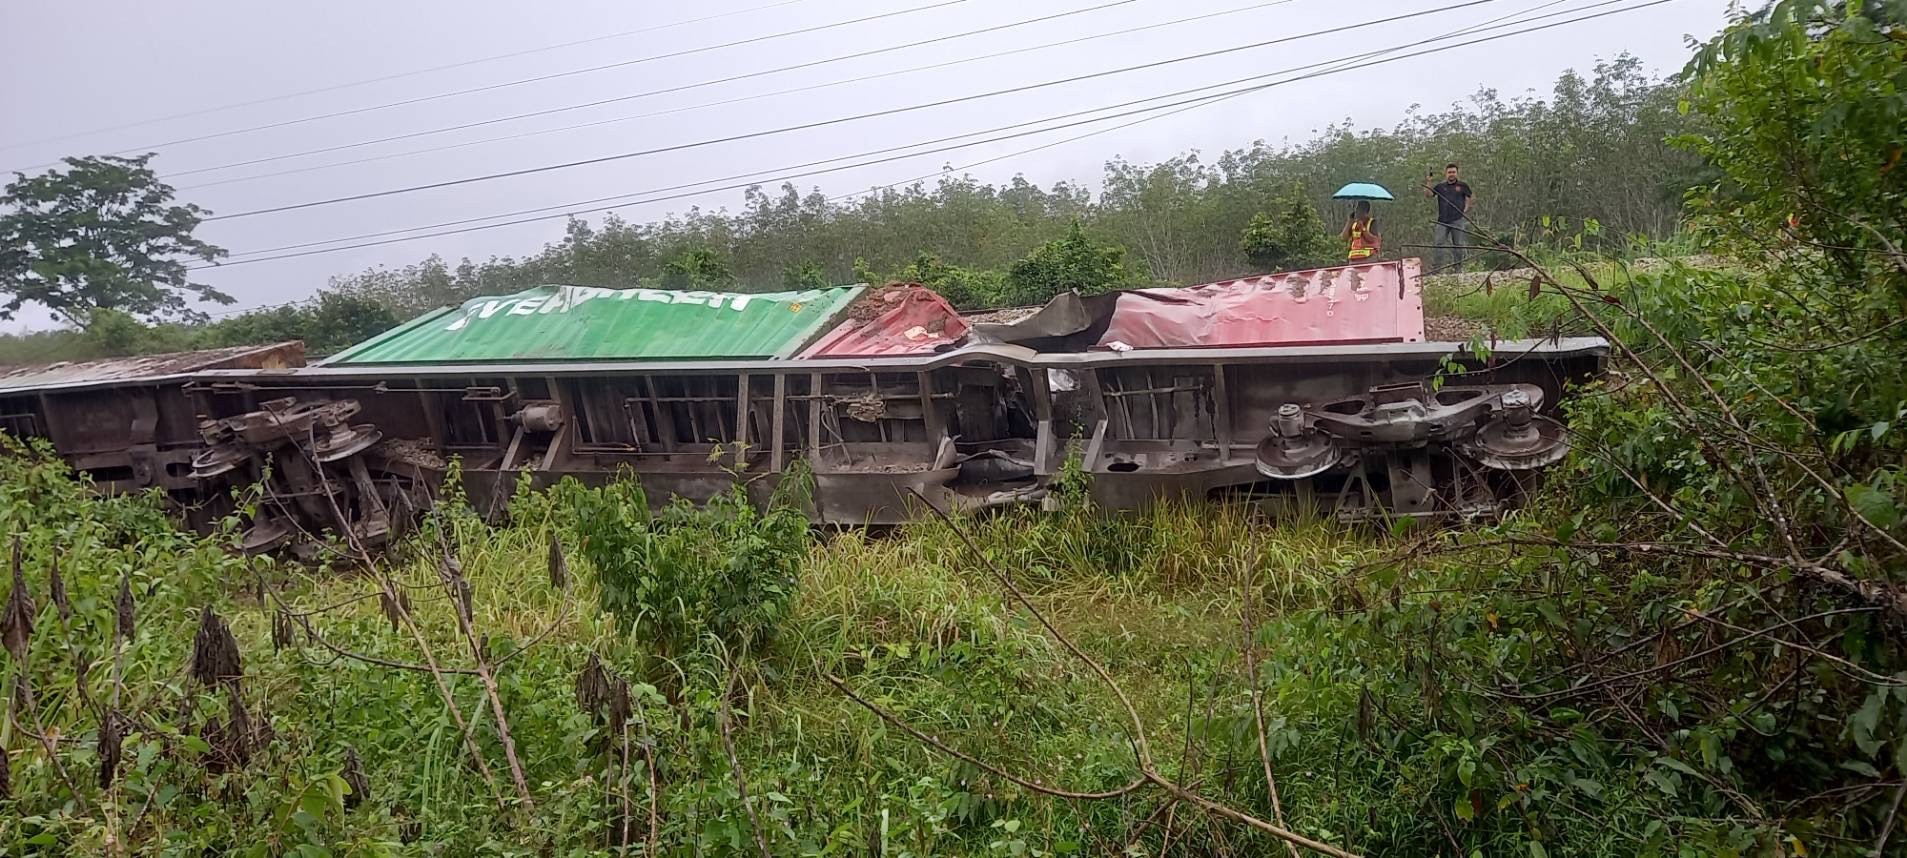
{"x": 809, "y": 88}
{"x": 573, "y": 207}
{"x": 528, "y": 80}
{"x": 395, "y": 76}
{"x": 892, "y": 111}
{"x": 624, "y": 200}
{"x": 1526, "y": 16}
{"x": 1185, "y": 104}
{"x": 568, "y": 209}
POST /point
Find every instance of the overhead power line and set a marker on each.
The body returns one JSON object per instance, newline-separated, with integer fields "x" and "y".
{"x": 572, "y": 207}
{"x": 892, "y": 111}
{"x": 1186, "y": 104}
{"x": 1523, "y": 17}
{"x": 809, "y": 88}
{"x": 529, "y": 80}
{"x": 203, "y": 111}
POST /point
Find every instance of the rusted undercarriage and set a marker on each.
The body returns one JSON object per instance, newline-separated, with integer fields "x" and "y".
{"x": 1351, "y": 430}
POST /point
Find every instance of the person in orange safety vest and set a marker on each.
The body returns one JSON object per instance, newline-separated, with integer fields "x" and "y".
{"x": 1361, "y": 230}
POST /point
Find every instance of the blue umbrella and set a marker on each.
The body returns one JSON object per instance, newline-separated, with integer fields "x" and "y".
{"x": 1362, "y": 191}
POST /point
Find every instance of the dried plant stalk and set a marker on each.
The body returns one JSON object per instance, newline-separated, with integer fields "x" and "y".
{"x": 215, "y": 657}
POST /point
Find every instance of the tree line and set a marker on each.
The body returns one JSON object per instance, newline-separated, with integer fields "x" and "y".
{"x": 1598, "y": 147}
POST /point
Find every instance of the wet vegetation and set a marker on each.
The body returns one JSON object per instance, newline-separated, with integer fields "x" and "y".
{"x": 1690, "y": 643}
{"x": 1593, "y": 147}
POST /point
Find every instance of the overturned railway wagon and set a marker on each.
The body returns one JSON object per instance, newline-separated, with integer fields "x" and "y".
{"x": 1310, "y": 387}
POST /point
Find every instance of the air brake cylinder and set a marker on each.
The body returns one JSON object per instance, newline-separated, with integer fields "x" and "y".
{"x": 540, "y": 417}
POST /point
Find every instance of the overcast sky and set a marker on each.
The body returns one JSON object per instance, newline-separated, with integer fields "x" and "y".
{"x": 73, "y": 66}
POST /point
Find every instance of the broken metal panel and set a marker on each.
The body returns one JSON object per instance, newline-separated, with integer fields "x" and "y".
{"x": 978, "y": 426}
{"x": 1545, "y": 351}
{"x": 128, "y": 423}
{"x": 1379, "y": 302}
{"x": 1373, "y": 303}
{"x": 74, "y": 375}
{"x": 584, "y": 323}
{"x": 1066, "y": 320}
{"x": 899, "y": 319}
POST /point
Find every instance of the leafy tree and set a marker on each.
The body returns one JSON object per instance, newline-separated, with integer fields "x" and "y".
{"x": 1293, "y": 238}
{"x": 116, "y": 334}
{"x": 697, "y": 268}
{"x": 804, "y": 275}
{"x": 688, "y": 577}
{"x": 1166, "y": 212}
{"x": 1805, "y": 105}
{"x": 1592, "y": 148}
{"x": 101, "y": 235}
{"x": 1771, "y": 427}
{"x": 1261, "y": 243}
{"x": 336, "y": 321}
{"x": 965, "y": 288}
{"x": 1075, "y": 262}
{"x": 341, "y": 320}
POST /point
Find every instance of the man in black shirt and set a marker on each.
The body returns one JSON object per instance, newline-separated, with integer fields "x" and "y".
{"x": 1453, "y": 218}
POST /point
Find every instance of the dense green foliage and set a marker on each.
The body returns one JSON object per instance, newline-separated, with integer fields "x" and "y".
{"x": 1688, "y": 644}
{"x": 1074, "y": 262}
{"x": 1720, "y": 579}
{"x": 327, "y": 325}
{"x": 1292, "y": 238}
{"x": 1808, "y": 109}
{"x": 717, "y": 578}
{"x": 102, "y": 234}
{"x": 966, "y": 288}
{"x": 1593, "y": 148}
{"x": 697, "y": 268}
{"x": 903, "y": 618}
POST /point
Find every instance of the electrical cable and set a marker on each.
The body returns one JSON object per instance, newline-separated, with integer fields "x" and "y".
{"x": 569, "y": 208}
{"x": 809, "y": 88}
{"x": 572, "y": 206}
{"x": 1008, "y": 127}
{"x": 394, "y": 76}
{"x": 528, "y": 80}
{"x": 1485, "y": 26}
{"x": 892, "y": 111}
{"x": 1186, "y": 104}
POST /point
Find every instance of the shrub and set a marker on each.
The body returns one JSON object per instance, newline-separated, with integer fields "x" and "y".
{"x": 1075, "y": 262}
{"x": 965, "y": 288}
{"x": 1292, "y": 237}
{"x": 697, "y": 268}
{"x": 690, "y": 578}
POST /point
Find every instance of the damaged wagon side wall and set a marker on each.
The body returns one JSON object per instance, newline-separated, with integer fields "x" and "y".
{"x": 1219, "y": 390}
{"x": 981, "y": 426}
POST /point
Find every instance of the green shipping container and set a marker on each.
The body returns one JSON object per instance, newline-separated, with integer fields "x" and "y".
{"x": 574, "y": 323}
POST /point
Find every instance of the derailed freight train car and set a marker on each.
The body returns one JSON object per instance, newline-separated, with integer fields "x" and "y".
{"x": 128, "y": 423}
{"x": 1309, "y": 388}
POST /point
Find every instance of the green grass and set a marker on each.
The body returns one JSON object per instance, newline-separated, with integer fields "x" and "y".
{"x": 1368, "y": 756}
{"x": 909, "y": 619}
{"x": 1503, "y": 304}
{"x": 1501, "y": 300}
